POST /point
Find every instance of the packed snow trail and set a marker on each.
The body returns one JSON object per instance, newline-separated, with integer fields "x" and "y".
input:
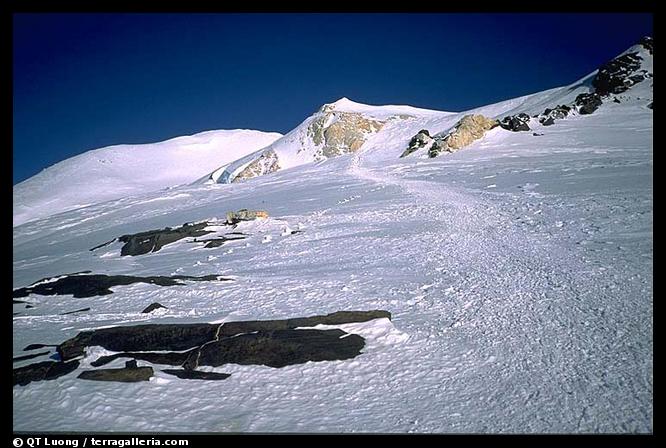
{"x": 523, "y": 298}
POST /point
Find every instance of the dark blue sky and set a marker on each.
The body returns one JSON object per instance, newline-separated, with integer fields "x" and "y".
{"x": 83, "y": 81}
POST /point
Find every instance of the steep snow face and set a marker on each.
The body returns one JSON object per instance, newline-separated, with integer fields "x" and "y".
{"x": 123, "y": 170}
{"x": 339, "y": 128}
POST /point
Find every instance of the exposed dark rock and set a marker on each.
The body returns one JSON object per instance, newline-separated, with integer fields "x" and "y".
{"x": 245, "y": 215}
{"x": 614, "y": 76}
{"x": 211, "y": 244}
{"x": 103, "y": 244}
{"x": 278, "y": 348}
{"x": 124, "y": 375}
{"x": 169, "y": 358}
{"x": 153, "y": 240}
{"x": 18, "y": 302}
{"x": 337, "y": 318}
{"x": 24, "y": 357}
{"x": 438, "y": 147}
{"x": 649, "y": 105}
{"x": 549, "y": 116}
{"x": 181, "y": 337}
{"x": 217, "y": 242}
{"x": 90, "y": 285}
{"x": 536, "y": 134}
{"x": 420, "y": 140}
{"x": 615, "y": 100}
{"x": 516, "y": 123}
{"x": 196, "y": 375}
{"x": 640, "y": 76}
{"x": 587, "y": 103}
{"x": 150, "y": 337}
{"x": 37, "y": 346}
{"x": 76, "y": 311}
{"x": 648, "y": 43}
{"x": 28, "y": 307}
{"x": 274, "y": 343}
{"x": 45, "y": 370}
{"x": 131, "y": 364}
{"x": 152, "y": 307}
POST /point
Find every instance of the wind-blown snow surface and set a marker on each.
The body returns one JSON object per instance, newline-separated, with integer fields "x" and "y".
{"x": 518, "y": 272}
{"x": 123, "y": 170}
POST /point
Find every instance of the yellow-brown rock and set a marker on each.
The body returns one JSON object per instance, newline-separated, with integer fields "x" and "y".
{"x": 466, "y": 131}
{"x": 267, "y": 163}
{"x": 346, "y": 134}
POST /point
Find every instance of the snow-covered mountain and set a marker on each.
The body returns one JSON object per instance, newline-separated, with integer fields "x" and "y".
{"x": 503, "y": 286}
{"x": 345, "y": 127}
{"x": 123, "y": 170}
{"x": 342, "y": 127}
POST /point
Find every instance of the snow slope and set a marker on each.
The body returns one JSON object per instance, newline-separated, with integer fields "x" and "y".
{"x": 123, "y": 170}
{"x": 518, "y": 272}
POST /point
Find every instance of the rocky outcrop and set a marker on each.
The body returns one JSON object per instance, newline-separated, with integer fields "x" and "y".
{"x": 181, "y": 337}
{"x": 615, "y": 76}
{"x": 587, "y": 103}
{"x": 149, "y": 337}
{"x": 516, "y": 123}
{"x": 217, "y": 242}
{"x": 548, "y": 117}
{"x": 466, "y": 131}
{"x": 197, "y": 375}
{"x": 647, "y": 42}
{"x": 41, "y": 371}
{"x": 267, "y": 163}
{"x": 37, "y": 346}
{"x": 152, "y": 307}
{"x": 278, "y": 348}
{"x": 26, "y": 357}
{"x": 131, "y": 373}
{"x": 336, "y": 132}
{"x": 169, "y": 358}
{"x": 153, "y": 240}
{"x": 89, "y": 285}
{"x": 421, "y": 140}
{"x": 245, "y": 215}
{"x": 274, "y": 343}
